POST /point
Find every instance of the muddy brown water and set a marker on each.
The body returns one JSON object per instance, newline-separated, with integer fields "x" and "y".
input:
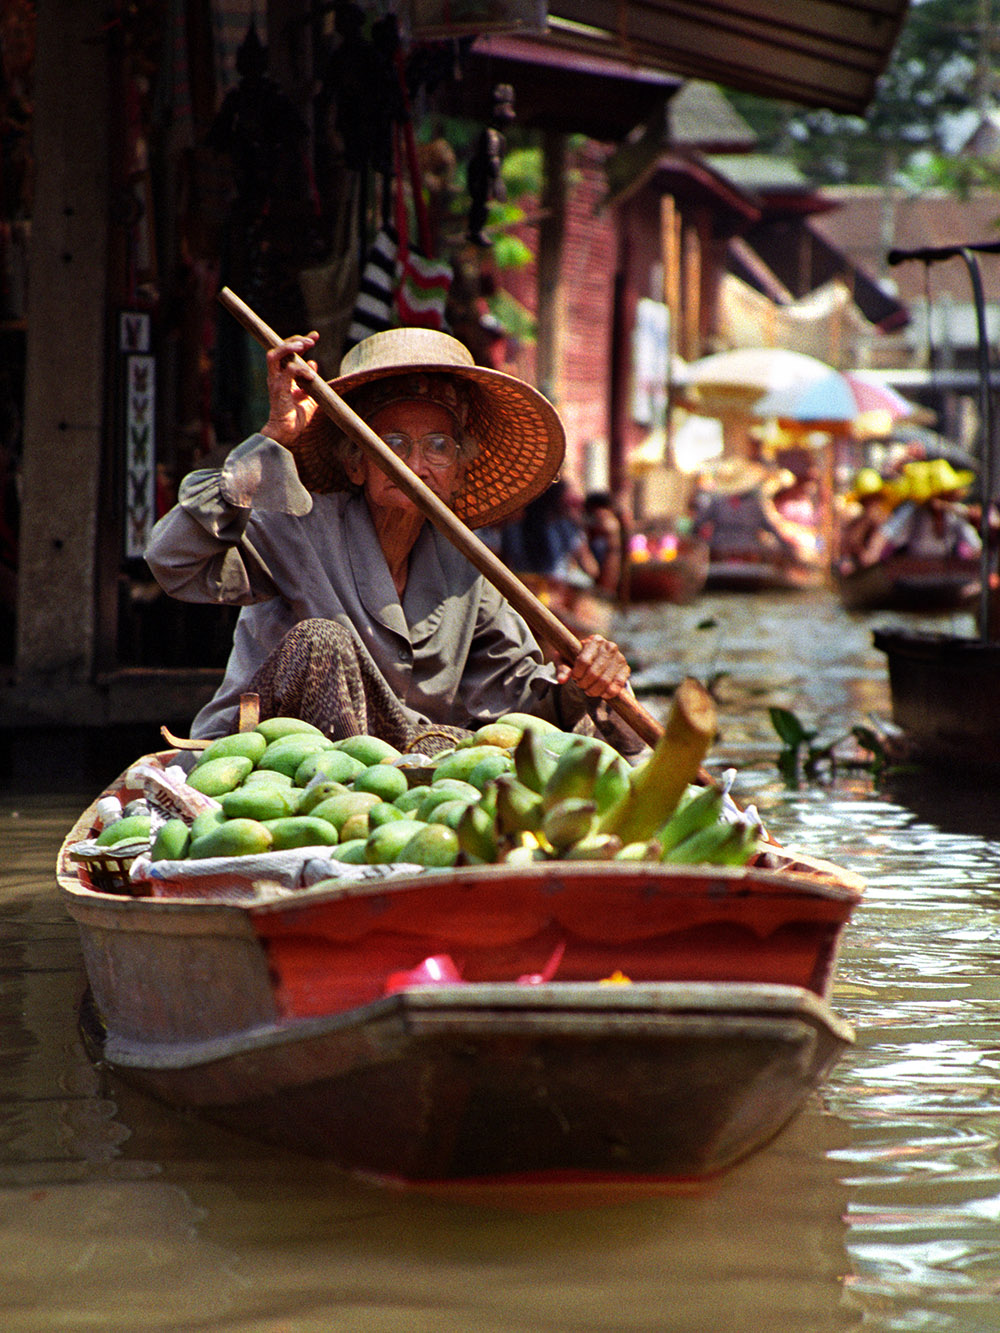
{"x": 877, "y": 1209}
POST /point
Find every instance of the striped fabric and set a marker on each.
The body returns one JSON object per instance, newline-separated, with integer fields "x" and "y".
{"x": 374, "y": 306}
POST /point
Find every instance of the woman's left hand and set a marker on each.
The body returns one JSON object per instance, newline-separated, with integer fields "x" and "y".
{"x": 600, "y": 668}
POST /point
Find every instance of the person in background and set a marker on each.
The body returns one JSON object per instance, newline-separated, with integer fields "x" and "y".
{"x": 606, "y": 538}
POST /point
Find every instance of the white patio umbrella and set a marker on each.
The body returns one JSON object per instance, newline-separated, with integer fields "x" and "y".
{"x": 733, "y": 382}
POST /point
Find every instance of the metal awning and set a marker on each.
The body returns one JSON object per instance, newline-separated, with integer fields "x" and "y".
{"x": 818, "y": 53}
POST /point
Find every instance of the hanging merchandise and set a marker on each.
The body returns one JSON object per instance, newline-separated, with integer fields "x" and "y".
{"x": 484, "y": 174}
{"x": 374, "y": 307}
{"x": 424, "y": 282}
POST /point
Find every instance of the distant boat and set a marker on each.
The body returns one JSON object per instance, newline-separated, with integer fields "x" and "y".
{"x": 911, "y": 583}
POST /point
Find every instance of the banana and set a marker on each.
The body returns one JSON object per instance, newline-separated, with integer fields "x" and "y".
{"x": 719, "y": 844}
{"x": 532, "y": 762}
{"x": 519, "y": 809}
{"x": 568, "y": 821}
{"x": 574, "y": 775}
{"x": 614, "y": 778}
{"x": 658, "y": 785}
{"x": 595, "y": 847}
{"x": 477, "y": 835}
{"x": 696, "y": 810}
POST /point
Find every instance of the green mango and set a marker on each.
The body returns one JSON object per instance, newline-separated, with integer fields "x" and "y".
{"x": 171, "y": 842}
{"x": 217, "y": 776}
{"x": 338, "y": 809}
{"x": 351, "y": 852}
{"x": 250, "y": 744}
{"x": 369, "y": 749}
{"x": 384, "y": 780}
{"x": 268, "y": 775}
{"x": 300, "y": 831}
{"x": 432, "y": 845}
{"x": 386, "y": 842}
{"x": 206, "y": 821}
{"x": 527, "y": 722}
{"x": 489, "y": 768}
{"x": 460, "y": 763}
{"x": 274, "y": 727}
{"x": 448, "y": 812}
{"x": 384, "y": 813}
{"x": 133, "y": 828}
{"x": 313, "y": 796}
{"x": 234, "y": 837}
{"x": 331, "y": 764}
{"x": 287, "y": 753}
{"x": 261, "y": 800}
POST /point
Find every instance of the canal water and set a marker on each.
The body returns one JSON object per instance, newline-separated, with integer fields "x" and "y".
{"x": 878, "y": 1209}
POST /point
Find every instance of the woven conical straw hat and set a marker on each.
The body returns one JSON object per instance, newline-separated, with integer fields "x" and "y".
{"x": 520, "y": 437}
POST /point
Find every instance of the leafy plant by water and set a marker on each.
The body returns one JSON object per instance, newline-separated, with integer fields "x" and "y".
{"x": 804, "y": 755}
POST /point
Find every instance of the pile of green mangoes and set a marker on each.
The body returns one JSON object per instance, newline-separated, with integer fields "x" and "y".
{"x": 518, "y": 790}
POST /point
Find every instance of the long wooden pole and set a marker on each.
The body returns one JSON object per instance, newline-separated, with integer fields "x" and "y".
{"x": 542, "y": 621}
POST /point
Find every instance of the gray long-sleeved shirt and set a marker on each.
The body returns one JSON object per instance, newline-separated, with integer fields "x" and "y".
{"x": 249, "y": 534}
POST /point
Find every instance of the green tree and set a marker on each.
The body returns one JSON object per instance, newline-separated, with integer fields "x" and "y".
{"x": 942, "y": 66}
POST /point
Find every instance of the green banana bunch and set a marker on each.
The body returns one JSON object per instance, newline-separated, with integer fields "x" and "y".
{"x": 518, "y": 808}
{"x": 720, "y": 844}
{"x": 574, "y": 775}
{"x": 697, "y": 809}
{"x": 656, "y": 788}
{"x": 534, "y": 764}
{"x": 477, "y": 834}
{"x": 568, "y": 821}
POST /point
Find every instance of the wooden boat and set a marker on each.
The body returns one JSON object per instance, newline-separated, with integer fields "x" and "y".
{"x": 944, "y": 696}
{"x": 678, "y": 579}
{"x": 759, "y": 571}
{"x": 911, "y": 583}
{"x": 400, "y": 1027}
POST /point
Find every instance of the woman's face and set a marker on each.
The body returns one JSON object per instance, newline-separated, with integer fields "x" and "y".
{"x": 415, "y": 419}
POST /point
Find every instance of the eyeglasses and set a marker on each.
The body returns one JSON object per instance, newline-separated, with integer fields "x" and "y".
{"x": 437, "y": 451}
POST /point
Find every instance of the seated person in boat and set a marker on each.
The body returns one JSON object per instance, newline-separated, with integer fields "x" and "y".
{"x": 933, "y": 524}
{"x": 734, "y": 511}
{"x": 861, "y": 539}
{"x": 358, "y": 615}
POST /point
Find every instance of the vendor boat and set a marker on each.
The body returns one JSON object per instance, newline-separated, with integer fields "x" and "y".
{"x": 666, "y": 567}
{"x": 903, "y": 582}
{"x": 943, "y": 686}
{"x": 619, "y": 1024}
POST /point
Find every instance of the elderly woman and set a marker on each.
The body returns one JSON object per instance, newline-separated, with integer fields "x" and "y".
{"x": 358, "y": 615}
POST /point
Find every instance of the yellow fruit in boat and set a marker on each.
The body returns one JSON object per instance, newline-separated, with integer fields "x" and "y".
{"x": 504, "y": 734}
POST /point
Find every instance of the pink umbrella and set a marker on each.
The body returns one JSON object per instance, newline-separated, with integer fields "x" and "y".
{"x": 837, "y": 398}
{"x": 873, "y": 395}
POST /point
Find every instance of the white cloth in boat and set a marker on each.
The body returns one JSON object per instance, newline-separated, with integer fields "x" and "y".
{"x": 248, "y": 534}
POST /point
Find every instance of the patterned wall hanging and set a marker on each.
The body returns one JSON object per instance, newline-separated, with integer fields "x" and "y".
{"x": 139, "y": 374}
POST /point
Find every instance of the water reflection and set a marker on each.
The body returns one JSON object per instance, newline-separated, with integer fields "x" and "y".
{"x": 877, "y": 1209}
